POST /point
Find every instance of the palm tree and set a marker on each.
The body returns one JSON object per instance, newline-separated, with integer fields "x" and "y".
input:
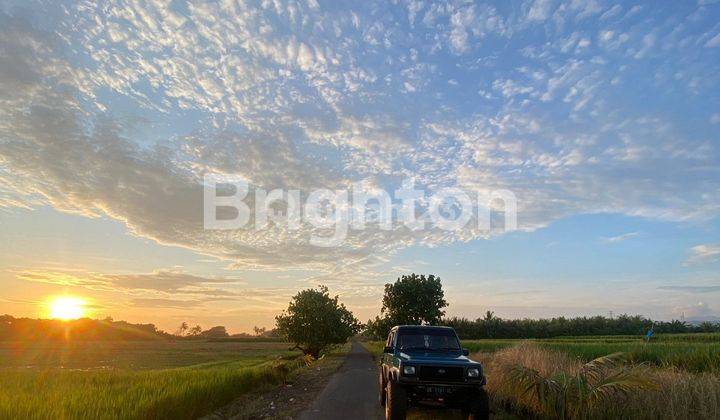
{"x": 575, "y": 396}
{"x": 490, "y": 322}
{"x": 182, "y": 329}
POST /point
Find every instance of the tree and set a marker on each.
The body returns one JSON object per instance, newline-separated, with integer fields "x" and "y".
{"x": 259, "y": 331}
{"x": 195, "y": 331}
{"x": 491, "y": 323}
{"x": 378, "y": 328}
{"x": 182, "y": 329}
{"x": 314, "y": 321}
{"x": 414, "y": 300}
{"x": 215, "y": 332}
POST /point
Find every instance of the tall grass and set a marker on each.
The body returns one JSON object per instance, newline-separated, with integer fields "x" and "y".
{"x": 701, "y": 355}
{"x": 679, "y": 394}
{"x": 688, "y": 337}
{"x": 180, "y": 393}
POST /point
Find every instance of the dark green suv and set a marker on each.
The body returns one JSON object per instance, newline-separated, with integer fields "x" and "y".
{"x": 423, "y": 365}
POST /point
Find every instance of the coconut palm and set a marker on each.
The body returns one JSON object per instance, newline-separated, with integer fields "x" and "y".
{"x": 575, "y": 396}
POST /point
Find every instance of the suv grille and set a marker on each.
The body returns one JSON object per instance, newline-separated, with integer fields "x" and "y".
{"x": 441, "y": 373}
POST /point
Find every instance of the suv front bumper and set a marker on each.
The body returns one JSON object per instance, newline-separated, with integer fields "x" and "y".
{"x": 454, "y": 395}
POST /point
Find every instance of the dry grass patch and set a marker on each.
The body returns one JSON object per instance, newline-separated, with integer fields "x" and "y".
{"x": 522, "y": 379}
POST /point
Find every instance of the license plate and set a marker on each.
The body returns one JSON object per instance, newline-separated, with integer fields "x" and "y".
{"x": 436, "y": 390}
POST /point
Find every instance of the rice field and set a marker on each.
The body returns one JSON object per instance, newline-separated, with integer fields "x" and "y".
{"x": 134, "y": 380}
{"x": 690, "y": 352}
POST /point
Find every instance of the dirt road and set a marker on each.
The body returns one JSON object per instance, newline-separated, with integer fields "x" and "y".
{"x": 352, "y": 392}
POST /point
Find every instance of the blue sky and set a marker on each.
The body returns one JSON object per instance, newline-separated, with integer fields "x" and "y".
{"x": 601, "y": 117}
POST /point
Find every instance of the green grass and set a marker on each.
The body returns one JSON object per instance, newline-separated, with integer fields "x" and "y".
{"x": 134, "y": 354}
{"x": 691, "y": 352}
{"x": 104, "y": 387}
{"x": 690, "y": 337}
{"x": 374, "y": 347}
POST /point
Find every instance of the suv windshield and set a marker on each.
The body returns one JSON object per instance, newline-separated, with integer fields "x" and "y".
{"x": 432, "y": 340}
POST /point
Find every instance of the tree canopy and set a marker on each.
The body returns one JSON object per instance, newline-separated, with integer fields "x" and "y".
{"x": 314, "y": 321}
{"x": 413, "y": 299}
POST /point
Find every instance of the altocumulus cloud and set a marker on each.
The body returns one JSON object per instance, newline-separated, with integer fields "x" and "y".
{"x": 705, "y": 253}
{"x": 119, "y": 110}
{"x": 165, "y": 288}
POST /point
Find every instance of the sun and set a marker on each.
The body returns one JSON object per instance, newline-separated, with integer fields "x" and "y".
{"x": 67, "y": 308}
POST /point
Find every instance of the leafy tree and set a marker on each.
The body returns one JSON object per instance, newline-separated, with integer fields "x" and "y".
{"x": 314, "y": 321}
{"x": 195, "y": 331}
{"x": 259, "y": 331}
{"x": 215, "y": 332}
{"x": 378, "y": 328}
{"x": 414, "y": 300}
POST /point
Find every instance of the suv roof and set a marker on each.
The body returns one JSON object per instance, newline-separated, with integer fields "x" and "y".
{"x": 419, "y": 327}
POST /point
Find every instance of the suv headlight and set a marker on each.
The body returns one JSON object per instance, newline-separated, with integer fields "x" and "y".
{"x": 473, "y": 373}
{"x": 408, "y": 370}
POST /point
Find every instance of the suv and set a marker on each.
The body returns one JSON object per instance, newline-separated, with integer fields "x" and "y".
{"x": 423, "y": 365}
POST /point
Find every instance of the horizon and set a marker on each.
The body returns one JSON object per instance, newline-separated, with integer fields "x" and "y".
{"x": 585, "y": 134}
{"x": 169, "y": 329}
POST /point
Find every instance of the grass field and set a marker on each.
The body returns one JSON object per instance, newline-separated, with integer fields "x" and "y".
{"x": 691, "y": 352}
{"x": 134, "y": 354}
{"x": 182, "y": 379}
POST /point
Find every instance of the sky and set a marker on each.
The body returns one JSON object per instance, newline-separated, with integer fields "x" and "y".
{"x": 602, "y": 118}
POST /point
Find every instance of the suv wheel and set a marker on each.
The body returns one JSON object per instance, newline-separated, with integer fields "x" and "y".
{"x": 478, "y": 408}
{"x": 382, "y": 390}
{"x": 395, "y": 402}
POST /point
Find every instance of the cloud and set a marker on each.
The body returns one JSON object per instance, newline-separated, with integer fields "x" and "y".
{"x": 161, "y": 281}
{"x": 691, "y": 289}
{"x": 180, "y": 290}
{"x": 120, "y": 115}
{"x": 706, "y": 253}
{"x": 713, "y": 42}
{"x": 698, "y": 311}
{"x": 166, "y": 303}
{"x": 620, "y": 238}
{"x": 540, "y": 10}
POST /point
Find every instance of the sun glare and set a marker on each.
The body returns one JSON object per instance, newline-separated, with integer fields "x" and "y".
{"x": 67, "y": 307}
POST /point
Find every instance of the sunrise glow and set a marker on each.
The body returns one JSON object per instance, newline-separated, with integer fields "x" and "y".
{"x": 67, "y": 308}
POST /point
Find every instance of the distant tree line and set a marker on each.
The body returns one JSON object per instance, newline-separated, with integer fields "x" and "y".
{"x": 185, "y": 331}
{"x": 419, "y": 299}
{"x": 22, "y": 329}
{"x": 491, "y": 326}
{"x": 219, "y": 333}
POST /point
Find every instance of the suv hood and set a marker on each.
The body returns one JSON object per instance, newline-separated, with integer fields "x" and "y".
{"x": 436, "y": 358}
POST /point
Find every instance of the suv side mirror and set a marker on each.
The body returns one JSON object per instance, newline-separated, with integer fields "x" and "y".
{"x": 389, "y": 349}
{"x": 466, "y": 352}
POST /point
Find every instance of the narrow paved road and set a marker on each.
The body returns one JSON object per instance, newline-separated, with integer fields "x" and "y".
{"x": 351, "y": 393}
